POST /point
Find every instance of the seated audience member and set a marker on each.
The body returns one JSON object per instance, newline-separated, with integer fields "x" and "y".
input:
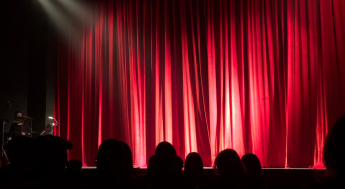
{"x": 51, "y": 160}
{"x": 178, "y": 164}
{"x": 229, "y": 170}
{"x": 74, "y": 174}
{"x": 152, "y": 167}
{"x": 74, "y": 166}
{"x": 109, "y": 157}
{"x": 163, "y": 175}
{"x": 127, "y": 167}
{"x": 334, "y": 158}
{"x": 254, "y": 174}
{"x": 195, "y": 168}
{"x": 127, "y": 160}
{"x": 19, "y": 173}
{"x": 151, "y": 170}
{"x": 114, "y": 166}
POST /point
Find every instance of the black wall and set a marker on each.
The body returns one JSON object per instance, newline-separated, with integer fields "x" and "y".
{"x": 27, "y": 61}
{"x": 13, "y": 57}
{"x": 42, "y": 64}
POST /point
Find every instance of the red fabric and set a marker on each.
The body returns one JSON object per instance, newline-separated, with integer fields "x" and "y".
{"x": 259, "y": 76}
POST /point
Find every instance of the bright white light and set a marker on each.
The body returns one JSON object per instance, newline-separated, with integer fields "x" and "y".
{"x": 61, "y": 20}
{"x": 68, "y": 18}
{"x": 50, "y": 117}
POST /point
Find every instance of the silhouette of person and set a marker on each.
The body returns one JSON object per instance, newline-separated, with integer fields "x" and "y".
{"x": 194, "y": 166}
{"x": 19, "y": 173}
{"x": 74, "y": 174}
{"x": 165, "y": 155}
{"x": 109, "y": 159}
{"x": 333, "y": 157}
{"x": 164, "y": 175}
{"x": 230, "y": 170}
{"x": 50, "y": 158}
{"x": 126, "y": 168}
{"x": 254, "y": 174}
{"x": 152, "y": 167}
{"x": 114, "y": 166}
{"x": 334, "y": 149}
{"x": 127, "y": 164}
{"x": 74, "y": 166}
{"x": 146, "y": 180}
{"x": 19, "y": 128}
{"x": 178, "y": 164}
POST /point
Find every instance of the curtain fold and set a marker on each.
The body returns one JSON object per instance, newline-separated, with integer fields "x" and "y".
{"x": 259, "y": 76}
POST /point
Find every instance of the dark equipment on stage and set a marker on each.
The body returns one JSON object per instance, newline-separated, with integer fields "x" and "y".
{"x": 3, "y": 121}
{"x": 5, "y": 137}
{"x": 23, "y": 119}
{"x": 49, "y": 128}
{"x": 27, "y": 120}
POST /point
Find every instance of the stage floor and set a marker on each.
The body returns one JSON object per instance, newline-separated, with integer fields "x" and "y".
{"x": 94, "y": 167}
{"x": 278, "y": 177}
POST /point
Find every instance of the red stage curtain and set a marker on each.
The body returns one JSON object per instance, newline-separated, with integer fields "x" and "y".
{"x": 259, "y": 76}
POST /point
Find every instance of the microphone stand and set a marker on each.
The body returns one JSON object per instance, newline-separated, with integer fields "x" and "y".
{"x": 3, "y": 136}
{"x": 3, "y": 131}
{"x": 31, "y": 129}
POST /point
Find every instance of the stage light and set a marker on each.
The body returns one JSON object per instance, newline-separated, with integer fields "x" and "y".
{"x": 53, "y": 124}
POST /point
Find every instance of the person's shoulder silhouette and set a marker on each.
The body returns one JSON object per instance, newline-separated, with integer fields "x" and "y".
{"x": 334, "y": 149}
{"x": 127, "y": 180}
{"x": 74, "y": 175}
{"x": 19, "y": 173}
{"x": 163, "y": 175}
{"x": 333, "y": 158}
{"x": 178, "y": 164}
{"x": 254, "y": 176}
{"x": 109, "y": 159}
{"x": 195, "y": 168}
{"x": 51, "y": 160}
{"x": 230, "y": 170}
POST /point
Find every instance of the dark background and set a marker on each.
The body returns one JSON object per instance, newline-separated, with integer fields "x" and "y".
{"x": 27, "y": 62}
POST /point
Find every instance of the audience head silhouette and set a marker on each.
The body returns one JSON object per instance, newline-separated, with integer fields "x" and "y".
{"x": 165, "y": 154}
{"x": 178, "y": 163}
{"x": 228, "y": 163}
{"x": 127, "y": 161}
{"x": 51, "y": 154}
{"x": 252, "y": 164}
{"x": 194, "y": 164}
{"x": 334, "y": 148}
{"x": 109, "y": 157}
{"x": 74, "y": 166}
{"x": 152, "y": 165}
